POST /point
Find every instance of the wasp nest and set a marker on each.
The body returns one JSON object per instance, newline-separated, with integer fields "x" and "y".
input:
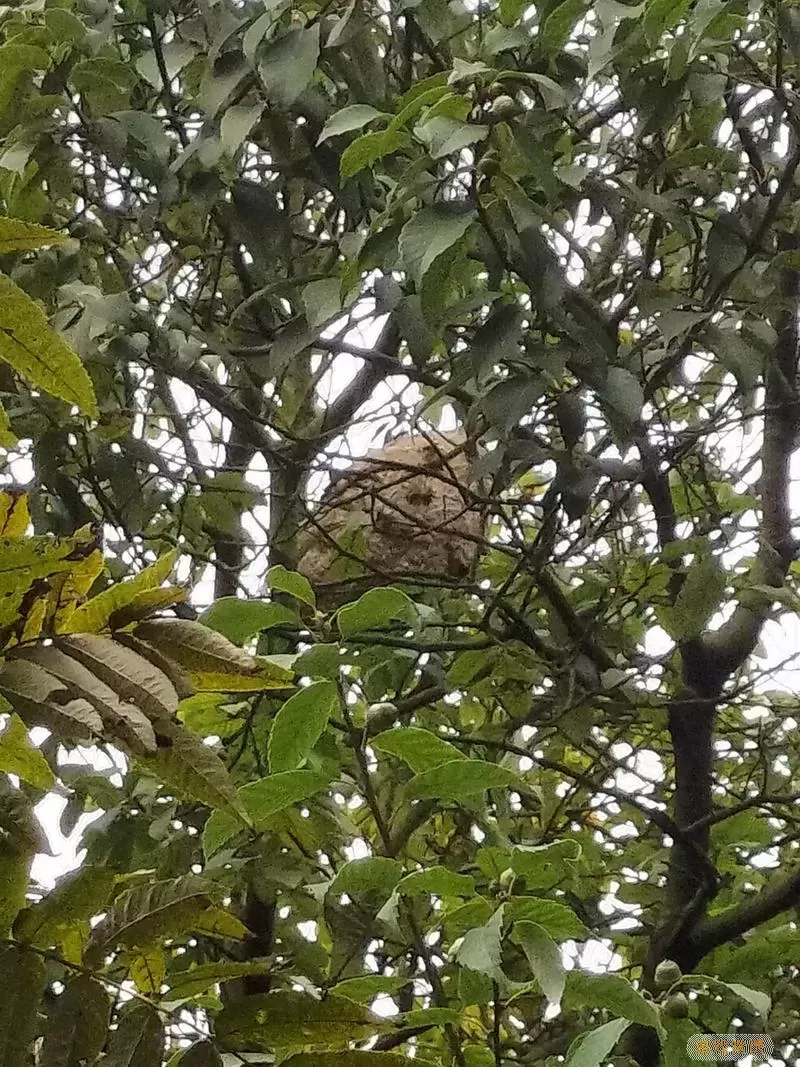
{"x": 407, "y": 509}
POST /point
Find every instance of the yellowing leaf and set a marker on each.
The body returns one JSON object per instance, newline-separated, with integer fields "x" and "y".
{"x": 268, "y": 677}
{"x": 38, "y": 354}
{"x": 18, "y": 756}
{"x": 93, "y": 616}
{"x": 42, "y": 700}
{"x": 14, "y": 515}
{"x": 195, "y": 646}
{"x": 123, "y": 721}
{"x": 147, "y": 969}
{"x": 130, "y": 675}
{"x": 75, "y": 585}
{"x": 19, "y": 236}
{"x": 7, "y": 437}
{"x": 202, "y": 977}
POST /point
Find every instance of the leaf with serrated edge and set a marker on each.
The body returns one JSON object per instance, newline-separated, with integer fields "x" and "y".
{"x": 93, "y": 616}
{"x": 277, "y": 1019}
{"x": 77, "y": 897}
{"x": 138, "y": 1040}
{"x": 199, "y": 979}
{"x": 149, "y": 913}
{"x": 123, "y": 720}
{"x": 195, "y": 647}
{"x": 18, "y": 756}
{"x": 19, "y": 236}
{"x": 40, "y": 356}
{"x": 77, "y": 1024}
{"x": 22, "y": 979}
{"x": 126, "y": 672}
{"x": 193, "y": 770}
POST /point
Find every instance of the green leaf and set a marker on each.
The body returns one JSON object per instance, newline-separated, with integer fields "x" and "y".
{"x": 374, "y": 610}
{"x": 236, "y": 123}
{"x": 138, "y": 1040}
{"x": 558, "y": 26}
{"x": 201, "y": 1054}
{"x": 19, "y": 236}
{"x": 368, "y": 149}
{"x": 757, "y": 1001}
{"x": 77, "y": 1024}
{"x": 297, "y": 585}
{"x": 544, "y": 958}
{"x": 199, "y": 979}
{"x": 260, "y": 1023}
{"x": 299, "y": 725}
{"x": 743, "y": 358}
{"x": 443, "y": 136}
{"x": 18, "y": 756}
{"x": 726, "y": 247}
{"x": 350, "y": 1058}
{"x": 23, "y": 978}
{"x": 267, "y": 796}
{"x": 674, "y": 1047}
{"x": 240, "y": 620}
{"x": 613, "y": 993}
{"x": 481, "y": 949}
{"x": 288, "y": 63}
{"x": 78, "y": 897}
{"x": 624, "y": 394}
{"x": 699, "y": 597}
{"x": 420, "y": 749}
{"x": 322, "y": 301}
{"x": 558, "y": 920}
{"x": 367, "y": 987}
{"x": 592, "y": 1049}
{"x": 149, "y": 913}
{"x": 192, "y": 770}
{"x": 429, "y": 234}
{"x": 15, "y": 867}
{"x": 460, "y": 779}
{"x": 207, "y": 715}
{"x": 320, "y": 661}
{"x": 347, "y": 119}
{"x": 38, "y": 354}
{"x": 220, "y": 828}
{"x": 372, "y": 876}
{"x": 438, "y": 881}
{"x": 93, "y": 616}
{"x": 661, "y": 16}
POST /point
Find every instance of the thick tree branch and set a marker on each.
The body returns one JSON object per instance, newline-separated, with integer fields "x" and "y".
{"x": 781, "y": 893}
{"x": 728, "y": 648}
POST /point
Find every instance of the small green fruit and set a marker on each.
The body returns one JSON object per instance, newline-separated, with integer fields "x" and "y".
{"x": 676, "y": 1006}
{"x": 504, "y": 107}
{"x": 383, "y": 709}
{"x": 667, "y": 973}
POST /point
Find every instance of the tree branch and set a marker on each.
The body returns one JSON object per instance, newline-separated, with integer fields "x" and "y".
{"x": 783, "y": 892}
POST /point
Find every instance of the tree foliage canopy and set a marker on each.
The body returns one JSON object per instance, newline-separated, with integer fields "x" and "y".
{"x": 528, "y": 800}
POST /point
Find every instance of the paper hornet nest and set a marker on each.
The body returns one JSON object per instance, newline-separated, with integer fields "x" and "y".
{"x": 402, "y": 510}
